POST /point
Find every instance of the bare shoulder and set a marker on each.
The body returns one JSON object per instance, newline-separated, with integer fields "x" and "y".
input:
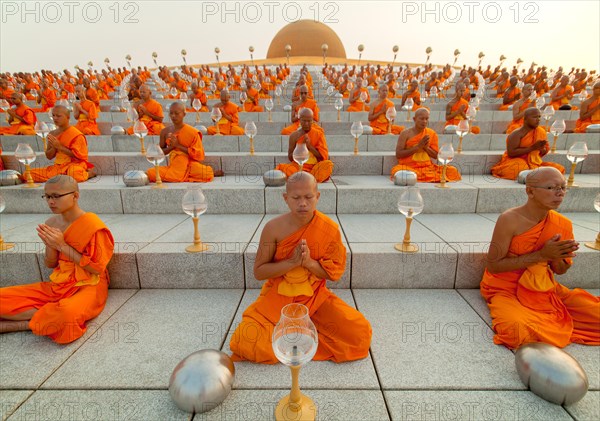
{"x": 276, "y": 228}
{"x": 511, "y": 220}
{"x": 54, "y": 221}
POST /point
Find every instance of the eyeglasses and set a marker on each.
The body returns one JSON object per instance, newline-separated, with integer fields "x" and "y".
{"x": 555, "y": 189}
{"x": 55, "y": 196}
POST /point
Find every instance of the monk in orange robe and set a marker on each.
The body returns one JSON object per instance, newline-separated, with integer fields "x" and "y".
{"x": 525, "y": 148}
{"x": 22, "y": 119}
{"x": 298, "y": 252}
{"x": 86, "y": 114}
{"x": 318, "y": 163}
{"x": 529, "y": 245}
{"x": 303, "y": 102}
{"x": 356, "y": 95}
{"x": 377, "y": 116}
{"x": 457, "y": 107}
{"x": 412, "y": 92}
{"x": 562, "y": 95}
{"x": 69, "y": 146}
{"x": 511, "y": 95}
{"x": 251, "y": 103}
{"x": 519, "y": 108}
{"x": 296, "y": 94}
{"x": 150, "y": 112}
{"x": 91, "y": 93}
{"x": 78, "y": 248}
{"x": 198, "y": 94}
{"x": 46, "y": 97}
{"x": 502, "y": 84}
{"x": 183, "y": 144}
{"x": 590, "y": 111}
{"x": 6, "y": 92}
{"x": 229, "y": 122}
{"x": 416, "y": 148}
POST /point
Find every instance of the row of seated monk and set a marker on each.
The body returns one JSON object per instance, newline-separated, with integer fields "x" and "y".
{"x": 22, "y": 119}
{"x": 298, "y": 253}
{"x": 417, "y": 150}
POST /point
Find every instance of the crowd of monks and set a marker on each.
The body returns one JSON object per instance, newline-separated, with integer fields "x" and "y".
{"x": 302, "y": 249}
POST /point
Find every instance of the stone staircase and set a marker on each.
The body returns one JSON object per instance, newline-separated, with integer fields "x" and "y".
{"x": 432, "y": 354}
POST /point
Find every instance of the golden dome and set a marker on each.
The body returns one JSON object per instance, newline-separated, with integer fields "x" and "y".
{"x": 306, "y": 38}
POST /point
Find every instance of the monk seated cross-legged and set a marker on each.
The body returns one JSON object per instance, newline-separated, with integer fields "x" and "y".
{"x": 416, "y": 148}
{"x": 590, "y": 111}
{"x": 519, "y": 108}
{"x": 457, "y": 107}
{"x": 229, "y": 122}
{"x": 86, "y": 114}
{"x": 150, "y": 112}
{"x": 356, "y": 97}
{"x": 530, "y": 244}
{"x": 22, "y": 119}
{"x": 525, "y": 148}
{"x": 68, "y": 147}
{"x": 318, "y": 163}
{"x": 298, "y": 252}
{"x": 183, "y": 144}
{"x": 252, "y": 96}
{"x": 511, "y": 95}
{"x": 303, "y": 102}
{"x": 78, "y": 248}
{"x": 377, "y": 116}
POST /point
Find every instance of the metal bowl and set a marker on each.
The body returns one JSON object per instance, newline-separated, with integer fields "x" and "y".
{"x": 274, "y": 178}
{"x": 10, "y": 178}
{"x": 135, "y": 178}
{"x": 405, "y": 178}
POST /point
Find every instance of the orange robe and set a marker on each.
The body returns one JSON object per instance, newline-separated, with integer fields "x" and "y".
{"x": 18, "y": 127}
{"x": 185, "y": 167}
{"x": 502, "y": 87}
{"x": 321, "y": 170}
{"x": 77, "y": 167}
{"x": 581, "y": 125}
{"x": 251, "y": 103}
{"x": 227, "y": 127}
{"x": 416, "y": 97}
{"x": 420, "y": 163}
{"x": 154, "y": 126}
{"x": 556, "y": 104}
{"x": 87, "y": 124}
{"x": 73, "y": 294}
{"x": 515, "y": 124}
{"x": 48, "y": 99}
{"x": 358, "y": 105}
{"x": 382, "y": 124}
{"x": 351, "y": 338}
{"x": 457, "y": 119}
{"x": 201, "y": 96}
{"x": 528, "y": 305}
{"x": 513, "y": 96}
{"x": 509, "y": 168}
{"x": 309, "y": 103}
{"x": 92, "y": 95}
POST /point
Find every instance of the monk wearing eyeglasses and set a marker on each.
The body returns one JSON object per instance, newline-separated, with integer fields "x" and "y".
{"x": 78, "y": 248}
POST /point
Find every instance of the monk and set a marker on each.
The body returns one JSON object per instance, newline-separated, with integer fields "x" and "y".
{"x": 511, "y": 95}
{"x": 318, "y": 163}
{"x": 251, "y": 102}
{"x": 457, "y": 107}
{"x": 562, "y": 95}
{"x": 46, "y": 96}
{"x": 86, "y": 114}
{"x": 150, "y": 112}
{"x": 412, "y": 92}
{"x": 303, "y": 102}
{"x": 22, "y": 119}
{"x": 91, "y": 93}
{"x": 5, "y": 91}
{"x": 198, "y": 93}
{"x": 525, "y": 148}
{"x": 530, "y": 244}
{"x": 69, "y": 146}
{"x": 183, "y": 144}
{"x": 298, "y": 252}
{"x": 590, "y": 111}
{"x": 356, "y": 97}
{"x": 377, "y": 116}
{"x": 228, "y": 124}
{"x": 519, "y": 108}
{"x": 78, "y": 248}
{"x": 416, "y": 148}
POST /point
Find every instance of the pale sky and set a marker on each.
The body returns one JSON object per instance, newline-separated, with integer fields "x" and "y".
{"x": 61, "y": 34}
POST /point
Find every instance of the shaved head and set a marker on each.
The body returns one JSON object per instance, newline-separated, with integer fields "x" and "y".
{"x": 177, "y": 105}
{"x": 65, "y": 182}
{"x": 530, "y": 112}
{"x": 421, "y": 111}
{"x": 305, "y": 112}
{"x": 300, "y": 178}
{"x": 61, "y": 109}
{"x": 541, "y": 175}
